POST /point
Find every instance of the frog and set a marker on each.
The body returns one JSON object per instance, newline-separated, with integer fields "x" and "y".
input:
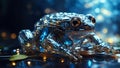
{"x": 68, "y": 34}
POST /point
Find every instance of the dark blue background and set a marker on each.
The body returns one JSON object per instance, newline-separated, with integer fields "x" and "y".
{"x": 16, "y": 15}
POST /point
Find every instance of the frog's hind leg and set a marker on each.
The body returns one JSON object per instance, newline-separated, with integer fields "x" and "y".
{"x": 100, "y": 46}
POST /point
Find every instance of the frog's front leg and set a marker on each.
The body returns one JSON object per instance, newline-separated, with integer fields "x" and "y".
{"x": 100, "y": 46}
{"x": 27, "y": 41}
{"x": 61, "y": 49}
{"x": 57, "y": 42}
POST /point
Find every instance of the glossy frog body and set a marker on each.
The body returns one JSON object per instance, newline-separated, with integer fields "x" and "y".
{"x": 63, "y": 33}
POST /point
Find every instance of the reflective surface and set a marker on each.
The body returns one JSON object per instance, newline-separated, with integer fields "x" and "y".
{"x": 69, "y": 34}
{"x": 96, "y": 61}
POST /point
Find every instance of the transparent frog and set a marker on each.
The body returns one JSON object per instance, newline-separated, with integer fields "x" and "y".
{"x": 69, "y": 34}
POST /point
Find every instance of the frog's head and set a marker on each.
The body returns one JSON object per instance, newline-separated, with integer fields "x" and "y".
{"x": 82, "y": 23}
{"x": 78, "y": 24}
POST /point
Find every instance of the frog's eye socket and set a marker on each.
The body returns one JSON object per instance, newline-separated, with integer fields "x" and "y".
{"x": 75, "y": 22}
{"x": 90, "y": 17}
{"x": 93, "y": 20}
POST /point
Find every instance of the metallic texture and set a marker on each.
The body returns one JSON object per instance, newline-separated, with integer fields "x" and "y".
{"x": 68, "y": 34}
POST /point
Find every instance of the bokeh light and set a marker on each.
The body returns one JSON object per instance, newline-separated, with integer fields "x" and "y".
{"x": 105, "y": 30}
{"x": 17, "y": 15}
{"x": 28, "y": 44}
{"x": 18, "y": 51}
{"x": 13, "y": 36}
{"x": 62, "y": 60}
{"x": 3, "y": 34}
{"x": 29, "y": 63}
{"x": 44, "y": 58}
{"x": 13, "y": 63}
{"x": 23, "y": 14}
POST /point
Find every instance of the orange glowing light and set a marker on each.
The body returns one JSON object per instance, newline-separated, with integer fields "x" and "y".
{"x": 13, "y": 36}
{"x": 3, "y": 34}
{"x": 13, "y": 64}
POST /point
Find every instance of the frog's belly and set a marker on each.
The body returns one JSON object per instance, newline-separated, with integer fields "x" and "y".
{"x": 78, "y": 36}
{"x": 79, "y": 33}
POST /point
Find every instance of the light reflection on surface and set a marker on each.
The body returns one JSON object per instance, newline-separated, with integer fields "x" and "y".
{"x": 13, "y": 63}
{"x": 29, "y": 63}
{"x": 118, "y": 60}
{"x": 44, "y": 58}
{"x": 62, "y": 60}
{"x": 89, "y": 63}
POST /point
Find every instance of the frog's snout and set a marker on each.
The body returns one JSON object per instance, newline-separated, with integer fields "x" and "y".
{"x": 75, "y": 22}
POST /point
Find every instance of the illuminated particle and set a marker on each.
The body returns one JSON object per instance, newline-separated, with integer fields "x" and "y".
{"x": 95, "y": 1}
{"x": 105, "y": 12}
{"x": 97, "y": 10}
{"x": 13, "y": 36}
{"x": 13, "y": 64}
{"x": 47, "y": 10}
{"x": 44, "y": 58}
{"x": 29, "y": 63}
{"x": 28, "y": 44}
{"x": 118, "y": 60}
{"x": 62, "y": 60}
{"x": 88, "y": 5}
{"x": 18, "y": 51}
{"x": 100, "y": 18}
{"x": 105, "y": 30}
{"x": 89, "y": 63}
{"x": 3, "y": 34}
{"x": 110, "y": 40}
{"x": 102, "y": 1}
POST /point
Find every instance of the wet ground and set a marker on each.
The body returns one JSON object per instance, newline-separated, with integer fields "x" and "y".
{"x": 98, "y": 61}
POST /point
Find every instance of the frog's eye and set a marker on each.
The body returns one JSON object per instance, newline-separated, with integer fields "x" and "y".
{"x": 90, "y": 17}
{"x": 75, "y": 22}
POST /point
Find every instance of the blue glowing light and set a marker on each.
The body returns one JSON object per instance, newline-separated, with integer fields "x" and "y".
{"x": 97, "y": 10}
{"x": 41, "y": 49}
{"x": 89, "y": 63}
{"x": 67, "y": 41}
{"x": 43, "y": 34}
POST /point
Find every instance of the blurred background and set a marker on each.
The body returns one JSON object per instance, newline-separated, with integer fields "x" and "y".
{"x": 16, "y": 15}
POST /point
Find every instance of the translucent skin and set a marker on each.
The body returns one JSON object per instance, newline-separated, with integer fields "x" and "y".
{"x": 63, "y": 33}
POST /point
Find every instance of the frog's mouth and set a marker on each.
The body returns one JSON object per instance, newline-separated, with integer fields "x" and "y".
{"x": 80, "y": 31}
{"x": 85, "y": 28}
{"x": 82, "y": 28}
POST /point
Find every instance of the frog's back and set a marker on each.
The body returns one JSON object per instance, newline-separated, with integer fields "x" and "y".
{"x": 57, "y": 17}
